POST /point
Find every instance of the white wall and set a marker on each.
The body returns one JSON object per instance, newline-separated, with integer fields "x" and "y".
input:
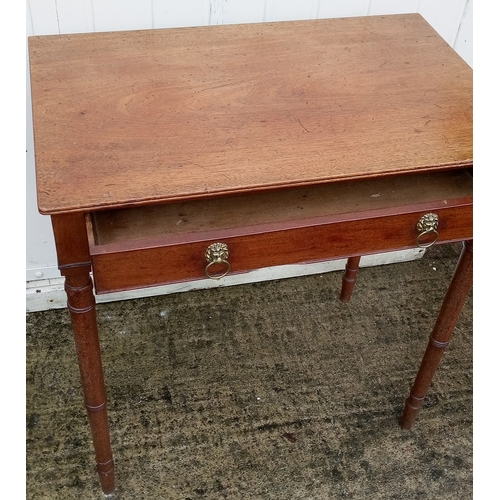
{"x": 452, "y": 19}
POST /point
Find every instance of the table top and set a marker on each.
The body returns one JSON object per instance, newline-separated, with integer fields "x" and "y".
{"x": 141, "y": 117}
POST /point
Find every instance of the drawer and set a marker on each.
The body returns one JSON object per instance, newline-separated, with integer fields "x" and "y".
{"x": 155, "y": 245}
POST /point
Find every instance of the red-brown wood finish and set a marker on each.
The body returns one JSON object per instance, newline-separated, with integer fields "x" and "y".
{"x": 349, "y": 278}
{"x": 151, "y": 118}
{"x": 148, "y": 263}
{"x": 280, "y": 208}
{"x": 146, "y": 246}
{"x": 74, "y": 264}
{"x": 169, "y": 114}
{"x": 440, "y": 336}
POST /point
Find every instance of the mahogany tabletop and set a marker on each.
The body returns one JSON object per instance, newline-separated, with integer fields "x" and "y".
{"x": 141, "y": 117}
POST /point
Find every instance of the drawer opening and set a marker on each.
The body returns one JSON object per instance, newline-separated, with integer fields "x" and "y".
{"x": 159, "y": 244}
{"x": 274, "y": 208}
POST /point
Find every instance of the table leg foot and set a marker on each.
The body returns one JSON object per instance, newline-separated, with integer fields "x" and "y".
{"x": 81, "y": 305}
{"x": 349, "y": 278}
{"x": 452, "y": 305}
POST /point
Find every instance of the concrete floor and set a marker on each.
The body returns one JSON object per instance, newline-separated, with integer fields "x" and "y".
{"x": 273, "y": 390}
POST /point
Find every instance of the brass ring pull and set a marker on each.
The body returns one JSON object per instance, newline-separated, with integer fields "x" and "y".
{"x": 217, "y": 253}
{"x": 427, "y": 224}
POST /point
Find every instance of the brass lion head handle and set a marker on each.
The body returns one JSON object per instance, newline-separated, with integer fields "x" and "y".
{"x": 427, "y": 224}
{"x": 217, "y": 253}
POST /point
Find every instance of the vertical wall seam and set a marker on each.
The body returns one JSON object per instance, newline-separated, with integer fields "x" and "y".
{"x": 57, "y": 17}
{"x": 464, "y": 13}
{"x": 92, "y": 12}
{"x": 31, "y": 17}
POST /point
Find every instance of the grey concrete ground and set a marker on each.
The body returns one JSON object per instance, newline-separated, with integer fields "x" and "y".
{"x": 273, "y": 390}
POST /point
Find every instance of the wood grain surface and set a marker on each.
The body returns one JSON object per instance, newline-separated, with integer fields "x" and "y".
{"x": 285, "y": 207}
{"x": 149, "y": 246}
{"x": 140, "y": 117}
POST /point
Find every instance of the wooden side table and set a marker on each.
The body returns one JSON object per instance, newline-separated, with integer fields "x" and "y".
{"x": 169, "y": 155}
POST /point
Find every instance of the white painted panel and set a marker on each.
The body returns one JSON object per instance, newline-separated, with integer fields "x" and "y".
{"x": 463, "y": 42}
{"x": 343, "y": 8}
{"x": 29, "y": 21}
{"x": 40, "y": 247}
{"x": 290, "y": 10}
{"x": 75, "y": 16}
{"x": 174, "y": 14}
{"x": 43, "y": 17}
{"x": 236, "y": 11}
{"x": 444, "y": 16}
{"x": 379, "y": 7}
{"x": 117, "y": 15}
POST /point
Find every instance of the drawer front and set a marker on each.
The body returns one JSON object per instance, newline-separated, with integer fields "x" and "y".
{"x": 154, "y": 265}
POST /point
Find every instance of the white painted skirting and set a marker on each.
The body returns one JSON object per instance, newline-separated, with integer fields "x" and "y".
{"x": 47, "y": 294}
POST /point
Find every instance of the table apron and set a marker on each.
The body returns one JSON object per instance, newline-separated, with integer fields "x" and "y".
{"x": 158, "y": 265}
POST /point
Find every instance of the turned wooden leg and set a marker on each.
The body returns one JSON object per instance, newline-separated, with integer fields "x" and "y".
{"x": 81, "y": 305}
{"x": 349, "y": 278}
{"x": 452, "y": 305}
{"x": 74, "y": 262}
